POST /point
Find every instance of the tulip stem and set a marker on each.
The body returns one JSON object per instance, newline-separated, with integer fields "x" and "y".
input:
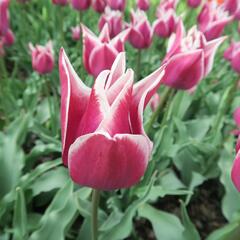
{"x": 95, "y": 202}
{"x": 3, "y": 68}
{"x": 61, "y": 21}
{"x": 80, "y": 16}
{"x": 139, "y": 55}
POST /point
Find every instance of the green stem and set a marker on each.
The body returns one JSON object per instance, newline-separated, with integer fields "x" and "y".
{"x": 61, "y": 24}
{"x": 95, "y": 202}
{"x": 80, "y": 16}
{"x": 138, "y": 67}
{"x": 3, "y": 68}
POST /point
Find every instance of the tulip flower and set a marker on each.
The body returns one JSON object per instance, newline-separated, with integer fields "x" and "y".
{"x": 103, "y": 141}
{"x": 143, "y": 4}
{"x": 99, "y": 5}
{"x": 117, "y": 4}
{"x": 8, "y": 38}
{"x": 114, "y": 21}
{"x": 100, "y": 52}
{"x": 212, "y": 20}
{"x": 194, "y": 3}
{"x": 4, "y": 16}
{"x": 166, "y": 23}
{"x": 233, "y": 7}
{"x": 76, "y": 33}
{"x": 236, "y": 167}
{"x": 154, "y": 102}
{"x": 141, "y": 33}
{"x": 60, "y": 2}
{"x": 166, "y": 5}
{"x": 232, "y": 54}
{"x": 81, "y": 5}
{"x": 189, "y": 58}
{"x": 42, "y": 58}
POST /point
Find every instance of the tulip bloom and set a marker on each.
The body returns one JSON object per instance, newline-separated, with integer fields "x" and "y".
{"x": 166, "y": 23}
{"x": 189, "y": 58}
{"x": 212, "y": 20}
{"x": 42, "y": 58}
{"x": 99, "y": 5}
{"x": 117, "y": 4}
{"x": 233, "y": 7}
{"x": 236, "y": 167}
{"x": 76, "y": 33}
{"x": 166, "y": 5}
{"x": 100, "y": 52}
{"x": 194, "y": 3}
{"x": 81, "y": 5}
{"x": 143, "y": 4}
{"x": 60, "y": 2}
{"x": 103, "y": 141}
{"x": 114, "y": 21}
{"x": 141, "y": 33}
{"x": 232, "y": 54}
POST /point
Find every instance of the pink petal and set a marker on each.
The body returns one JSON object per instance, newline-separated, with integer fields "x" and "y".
{"x": 104, "y": 34}
{"x": 74, "y": 99}
{"x": 236, "y": 116}
{"x": 136, "y": 38}
{"x": 99, "y": 161}
{"x": 236, "y": 172}
{"x": 235, "y": 63}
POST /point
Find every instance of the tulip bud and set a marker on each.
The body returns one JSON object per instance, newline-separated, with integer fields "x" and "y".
{"x": 166, "y": 5}
{"x": 117, "y": 4}
{"x": 60, "y": 2}
{"x": 194, "y": 3}
{"x": 9, "y": 38}
{"x": 141, "y": 33}
{"x": 4, "y": 16}
{"x": 76, "y": 33}
{"x": 233, "y": 7}
{"x": 114, "y": 21}
{"x": 99, "y": 5}
{"x": 143, "y": 4}
{"x": 42, "y": 58}
{"x": 81, "y": 5}
{"x": 232, "y": 54}
{"x": 166, "y": 23}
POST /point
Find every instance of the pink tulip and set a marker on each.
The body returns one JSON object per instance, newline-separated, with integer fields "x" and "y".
{"x": 154, "y": 102}
{"x": 236, "y": 167}
{"x": 60, "y": 2}
{"x": 194, "y": 3}
{"x": 4, "y": 16}
{"x": 212, "y": 20}
{"x": 76, "y": 33}
{"x": 117, "y": 4}
{"x": 9, "y": 38}
{"x": 166, "y": 5}
{"x": 233, "y": 7}
{"x": 189, "y": 58}
{"x": 103, "y": 141}
{"x": 99, "y": 5}
{"x": 166, "y": 23}
{"x": 114, "y": 21}
{"x": 42, "y": 58}
{"x": 81, "y": 5}
{"x": 141, "y": 33}
{"x": 232, "y": 54}
{"x": 143, "y": 4}
{"x": 100, "y": 52}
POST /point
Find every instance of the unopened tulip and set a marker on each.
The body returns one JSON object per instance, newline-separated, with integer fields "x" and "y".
{"x": 194, "y": 3}
{"x": 99, "y": 5}
{"x": 143, "y": 4}
{"x": 117, "y": 4}
{"x": 81, "y": 5}
{"x": 42, "y": 58}
{"x": 76, "y": 33}
{"x": 212, "y": 20}
{"x": 233, "y": 7}
{"x": 166, "y": 5}
{"x": 189, "y": 58}
{"x": 9, "y": 38}
{"x": 141, "y": 33}
{"x": 114, "y": 21}
{"x": 232, "y": 54}
{"x": 60, "y": 2}
{"x": 236, "y": 167}
{"x": 4, "y": 16}
{"x": 154, "y": 102}
{"x": 166, "y": 23}
{"x": 100, "y": 52}
{"x": 103, "y": 141}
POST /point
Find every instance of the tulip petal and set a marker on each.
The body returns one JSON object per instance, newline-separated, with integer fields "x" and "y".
{"x": 136, "y": 38}
{"x": 235, "y": 175}
{"x": 104, "y": 34}
{"x": 98, "y": 161}
{"x": 73, "y": 92}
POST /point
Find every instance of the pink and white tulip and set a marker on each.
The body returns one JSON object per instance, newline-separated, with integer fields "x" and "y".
{"x": 42, "y": 58}
{"x": 4, "y": 16}
{"x": 141, "y": 32}
{"x": 81, "y": 5}
{"x": 165, "y": 24}
{"x": 212, "y": 20}
{"x": 236, "y": 167}
{"x": 76, "y": 33}
{"x": 189, "y": 58}
{"x": 143, "y": 4}
{"x": 103, "y": 141}
{"x": 194, "y": 3}
{"x": 114, "y": 21}
{"x": 117, "y": 4}
{"x": 232, "y": 54}
{"x": 100, "y": 52}
{"x": 60, "y": 2}
{"x": 99, "y": 5}
{"x": 166, "y": 5}
{"x": 233, "y": 7}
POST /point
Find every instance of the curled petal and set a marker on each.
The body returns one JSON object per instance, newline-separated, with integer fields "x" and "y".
{"x": 117, "y": 162}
